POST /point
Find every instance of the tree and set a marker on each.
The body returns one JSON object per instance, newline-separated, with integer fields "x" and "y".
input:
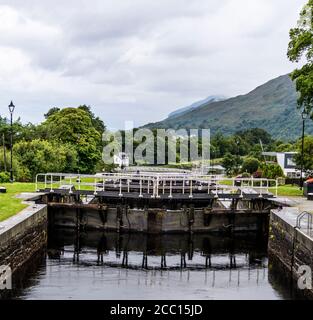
{"x": 254, "y": 135}
{"x": 250, "y": 165}
{"x": 96, "y": 121}
{"x": 51, "y": 112}
{"x": 301, "y": 46}
{"x": 231, "y": 163}
{"x": 74, "y": 126}
{"x": 220, "y": 146}
{"x": 307, "y": 154}
{"x": 271, "y": 171}
{"x": 40, "y": 156}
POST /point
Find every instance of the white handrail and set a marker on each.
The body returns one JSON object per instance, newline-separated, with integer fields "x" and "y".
{"x": 179, "y": 183}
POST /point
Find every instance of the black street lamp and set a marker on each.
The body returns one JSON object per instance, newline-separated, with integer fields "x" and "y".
{"x": 78, "y": 142}
{"x": 304, "y": 116}
{"x": 11, "y": 109}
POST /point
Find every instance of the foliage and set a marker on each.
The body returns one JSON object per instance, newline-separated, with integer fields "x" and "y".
{"x": 254, "y": 136}
{"x": 301, "y": 46}
{"x": 4, "y": 177}
{"x": 231, "y": 163}
{"x": 307, "y": 154}
{"x": 284, "y": 147}
{"x": 97, "y": 123}
{"x": 32, "y": 157}
{"x": 74, "y": 126}
{"x": 245, "y": 175}
{"x": 51, "y": 112}
{"x": 271, "y": 171}
{"x": 250, "y": 165}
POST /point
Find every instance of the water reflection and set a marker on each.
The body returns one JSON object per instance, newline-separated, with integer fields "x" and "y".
{"x": 170, "y": 252}
{"x": 97, "y": 265}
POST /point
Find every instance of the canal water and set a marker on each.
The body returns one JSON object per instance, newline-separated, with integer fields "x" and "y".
{"x": 97, "y": 265}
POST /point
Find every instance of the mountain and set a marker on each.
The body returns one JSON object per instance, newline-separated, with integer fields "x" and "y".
{"x": 271, "y": 106}
{"x": 195, "y": 105}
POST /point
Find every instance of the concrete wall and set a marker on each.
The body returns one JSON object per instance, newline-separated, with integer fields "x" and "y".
{"x": 290, "y": 246}
{"x": 22, "y": 236}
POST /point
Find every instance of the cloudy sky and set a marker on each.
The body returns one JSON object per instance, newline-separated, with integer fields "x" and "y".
{"x": 137, "y": 59}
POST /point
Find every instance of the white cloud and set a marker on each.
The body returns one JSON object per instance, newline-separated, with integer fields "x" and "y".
{"x": 137, "y": 59}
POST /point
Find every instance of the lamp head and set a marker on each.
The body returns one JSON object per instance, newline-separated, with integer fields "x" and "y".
{"x": 11, "y": 107}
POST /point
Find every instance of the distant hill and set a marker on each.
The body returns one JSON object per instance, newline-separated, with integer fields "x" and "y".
{"x": 195, "y": 105}
{"x": 271, "y": 106}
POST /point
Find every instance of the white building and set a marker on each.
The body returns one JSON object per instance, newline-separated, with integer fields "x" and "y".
{"x": 286, "y": 161}
{"x": 121, "y": 159}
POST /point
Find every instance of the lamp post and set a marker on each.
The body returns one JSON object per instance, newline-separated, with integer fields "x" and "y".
{"x": 78, "y": 142}
{"x": 304, "y": 116}
{"x": 11, "y": 109}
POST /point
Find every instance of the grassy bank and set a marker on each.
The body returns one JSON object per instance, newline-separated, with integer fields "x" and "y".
{"x": 9, "y": 204}
{"x": 288, "y": 190}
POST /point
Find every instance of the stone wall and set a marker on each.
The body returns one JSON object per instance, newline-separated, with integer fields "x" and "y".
{"x": 288, "y": 245}
{"x": 22, "y": 236}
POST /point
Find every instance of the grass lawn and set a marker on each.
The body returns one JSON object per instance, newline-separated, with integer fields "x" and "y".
{"x": 9, "y": 205}
{"x": 288, "y": 190}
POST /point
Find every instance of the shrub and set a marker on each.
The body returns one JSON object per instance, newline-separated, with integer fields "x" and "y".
{"x": 4, "y": 177}
{"x": 40, "y": 156}
{"x": 250, "y": 165}
{"x": 271, "y": 171}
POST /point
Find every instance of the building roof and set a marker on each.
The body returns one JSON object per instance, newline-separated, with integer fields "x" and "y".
{"x": 274, "y": 154}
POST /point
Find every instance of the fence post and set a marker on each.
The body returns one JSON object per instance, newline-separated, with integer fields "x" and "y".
{"x": 163, "y": 182}
{"x": 190, "y": 195}
{"x": 171, "y": 196}
{"x": 157, "y": 187}
{"x": 51, "y": 184}
{"x": 120, "y": 194}
{"x": 140, "y": 188}
{"x": 36, "y": 183}
{"x": 95, "y": 189}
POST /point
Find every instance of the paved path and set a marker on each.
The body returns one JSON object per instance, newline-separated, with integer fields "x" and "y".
{"x": 302, "y": 204}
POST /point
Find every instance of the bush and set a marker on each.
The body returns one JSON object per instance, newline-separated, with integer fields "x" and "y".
{"x": 41, "y": 156}
{"x": 231, "y": 164}
{"x": 271, "y": 171}
{"x": 4, "y": 177}
{"x": 246, "y": 175}
{"x": 250, "y": 165}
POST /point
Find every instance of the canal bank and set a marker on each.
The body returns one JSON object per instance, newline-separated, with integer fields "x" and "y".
{"x": 22, "y": 237}
{"x": 290, "y": 244}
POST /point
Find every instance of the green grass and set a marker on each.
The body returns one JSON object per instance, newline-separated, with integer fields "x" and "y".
{"x": 288, "y": 190}
{"x": 9, "y": 204}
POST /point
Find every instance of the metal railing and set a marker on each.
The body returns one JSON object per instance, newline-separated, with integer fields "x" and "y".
{"x": 157, "y": 184}
{"x": 308, "y": 223}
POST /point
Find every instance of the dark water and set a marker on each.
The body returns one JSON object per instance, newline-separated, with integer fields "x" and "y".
{"x": 98, "y": 265}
